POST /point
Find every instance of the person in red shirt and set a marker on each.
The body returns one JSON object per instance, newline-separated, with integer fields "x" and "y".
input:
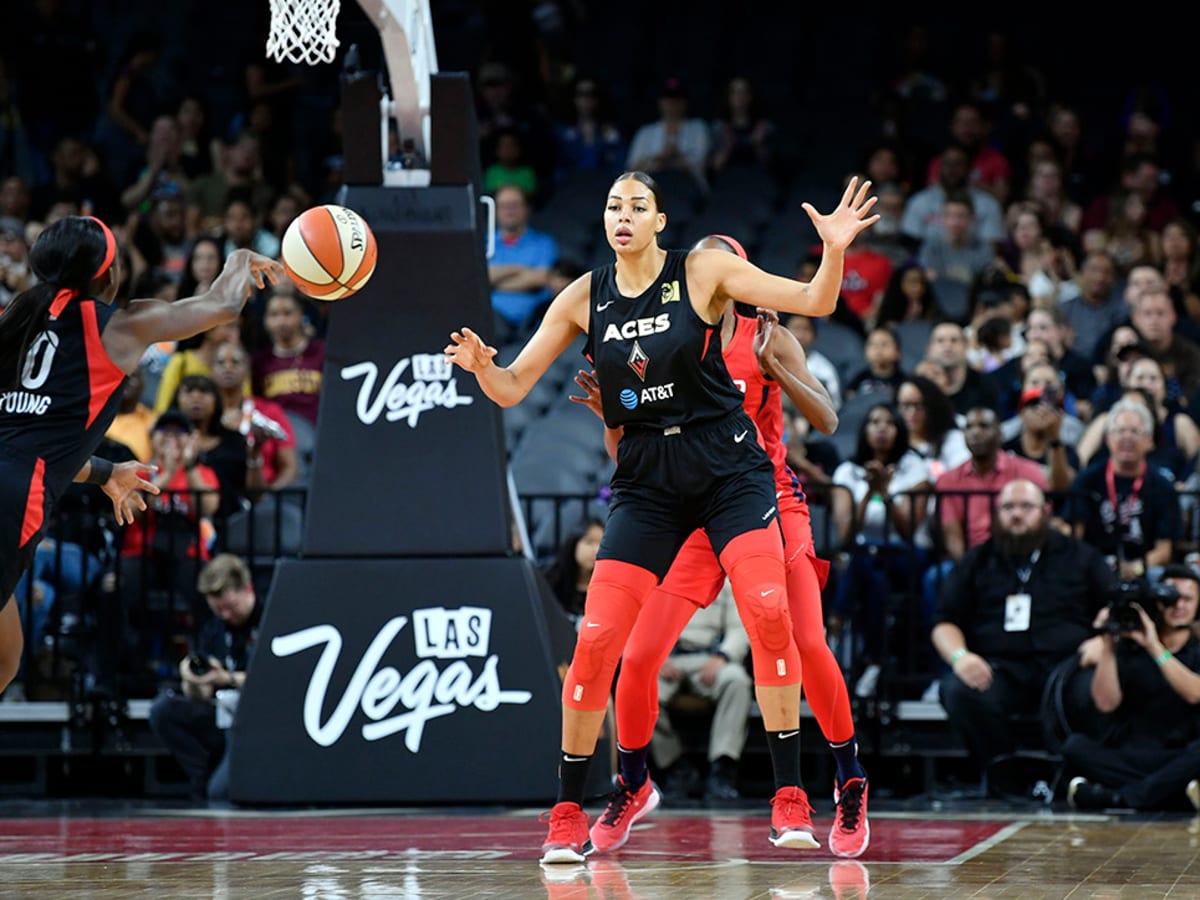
{"x": 764, "y": 361}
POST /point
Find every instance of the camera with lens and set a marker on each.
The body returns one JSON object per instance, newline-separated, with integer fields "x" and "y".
{"x": 1123, "y": 616}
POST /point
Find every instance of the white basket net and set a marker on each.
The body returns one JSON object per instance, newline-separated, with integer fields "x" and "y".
{"x": 303, "y": 31}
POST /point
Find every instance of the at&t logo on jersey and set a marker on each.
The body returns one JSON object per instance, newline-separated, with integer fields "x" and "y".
{"x": 636, "y": 328}
{"x": 631, "y": 399}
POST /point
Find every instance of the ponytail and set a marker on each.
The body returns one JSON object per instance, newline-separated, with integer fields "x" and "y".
{"x": 67, "y": 257}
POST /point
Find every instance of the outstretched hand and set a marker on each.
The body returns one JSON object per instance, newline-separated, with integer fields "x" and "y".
{"x": 591, "y": 387}
{"x": 467, "y": 350}
{"x": 840, "y": 227}
{"x": 123, "y": 485}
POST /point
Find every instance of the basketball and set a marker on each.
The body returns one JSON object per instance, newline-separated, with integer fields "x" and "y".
{"x": 329, "y": 252}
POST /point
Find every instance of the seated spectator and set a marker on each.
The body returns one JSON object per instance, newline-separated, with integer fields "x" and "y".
{"x": 222, "y": 449}
{"x": 742, "y": 133}
{"x": 195, "y": 360}
{"x": 968, "y": 388}
{"x": 882, "y": 371}
{"x": 239, "y": 166}
{"x": 1124, "y": 349}
{"x": 952, "y": 250}
{"x": 289, "y": 371}
{"x": 163, "y": 172}
{"x": 1040, "y": 438}
{"x": 162, "y": 549}
{"x": 966, "y": 498}
{"x": 1013, "y": 609}
{"x": 570, "y": 572}
{"x": 806, "y": 329}
{"x": 510, "y": 166}
{"x": 673, "y": 141}
{"x": 932, "y": 432}
{"x": 1042, "y": 376}
{"x": 1147, "y": 679}
{"x": 1176, "y": 436}
{"x": 590, "y": 141}
{"x": 194, "y": 723}
{"x": 1153, "y": 315}
{"x": 271, "y": 459}
{"x": 909, "y": 296}
{"x": 1122, "y": 506}
{"x": 1097, "y": 308}
{"x": 924, "y": 208}
{"x": 520, "y": 267}
{"x": 134, "y": 419}
{"x": 242, "y": 227}
{"x": 15, "y": 272}
{"x": 709, "y": 661}
{"x": 879, "y": 513}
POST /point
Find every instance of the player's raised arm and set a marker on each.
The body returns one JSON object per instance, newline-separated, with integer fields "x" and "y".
{"x": 145, "y": 322}
{"x": 507, "y": 385}
{"x": 725, "y": 276}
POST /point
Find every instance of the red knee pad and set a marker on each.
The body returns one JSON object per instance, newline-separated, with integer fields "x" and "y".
{"x": 757, "y": 575}
{"x": 614, "y": 597}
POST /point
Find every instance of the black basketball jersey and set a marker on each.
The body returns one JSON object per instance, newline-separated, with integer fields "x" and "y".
{"x": 658, "y": 363}
{"x": 67, "y": 395}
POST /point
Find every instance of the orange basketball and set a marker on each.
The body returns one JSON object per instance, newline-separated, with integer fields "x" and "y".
{"x": 329, "y": 251}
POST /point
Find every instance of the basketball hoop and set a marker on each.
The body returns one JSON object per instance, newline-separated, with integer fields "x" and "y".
{"x": 303, "y": 31}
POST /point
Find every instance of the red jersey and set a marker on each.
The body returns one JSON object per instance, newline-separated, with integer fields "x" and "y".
{"x": 763, "y": 397}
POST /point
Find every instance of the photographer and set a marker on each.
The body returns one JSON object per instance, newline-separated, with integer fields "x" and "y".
{"x": 194, "y": 726}
{"x": 1147, "y": 661}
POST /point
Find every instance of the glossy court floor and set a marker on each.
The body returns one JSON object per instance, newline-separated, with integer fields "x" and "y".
{"x": 108, "y": 849}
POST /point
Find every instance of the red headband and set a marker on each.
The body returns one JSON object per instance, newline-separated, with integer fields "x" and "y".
{"x": 66, "y": 295}
{"x": 732, "y": 242}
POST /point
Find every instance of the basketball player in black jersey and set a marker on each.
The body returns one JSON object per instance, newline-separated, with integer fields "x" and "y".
{"x": 688, "y": 459}
{"x": 65, "y": 350}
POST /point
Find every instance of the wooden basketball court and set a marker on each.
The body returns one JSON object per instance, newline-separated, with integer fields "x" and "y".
{"x": 106, "y": 849}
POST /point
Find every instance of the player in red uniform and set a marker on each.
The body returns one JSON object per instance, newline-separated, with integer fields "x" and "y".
{"x": 66, "y": 345}
{"x": 764, "y": 361}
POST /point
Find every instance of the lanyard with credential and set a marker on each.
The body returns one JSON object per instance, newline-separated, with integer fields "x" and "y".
{"x": 1025, "y": 571}
{"x": 1124, "y": 514}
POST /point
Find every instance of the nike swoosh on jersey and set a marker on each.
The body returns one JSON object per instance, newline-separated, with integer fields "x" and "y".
{"x": 603, "y": 306}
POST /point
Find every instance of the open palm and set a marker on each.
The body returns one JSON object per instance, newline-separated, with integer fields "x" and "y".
{"x": 840, "y": 227}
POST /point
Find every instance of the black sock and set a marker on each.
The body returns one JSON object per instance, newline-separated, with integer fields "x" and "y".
{"x": 785, "y": 757}
{"x": 846, "y": 755}
{"x": 632, "y": 764}
{"x": 572, "y": 777}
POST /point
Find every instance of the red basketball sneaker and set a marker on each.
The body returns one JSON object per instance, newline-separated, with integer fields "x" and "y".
{"x": 849, "y": 881}
{"x": 567, "y": 841}
{"x": 791, "y": 820}
{"x": 850, "y": 833}
{"x": 624, "y": 808}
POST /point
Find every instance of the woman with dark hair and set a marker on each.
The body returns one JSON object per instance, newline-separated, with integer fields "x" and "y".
{"x": 221, "y": 449}
{"x": 571, "y": 569}
{"x": 66, "y": 347}
{"x": 933, "y": 432}
{"x": 687, "y": 459}
{"x": 909, "y": 297}
{"x": 879, "y": 510}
